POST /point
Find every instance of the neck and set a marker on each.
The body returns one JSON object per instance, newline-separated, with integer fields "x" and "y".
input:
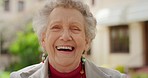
{"x": 64, "y": 68}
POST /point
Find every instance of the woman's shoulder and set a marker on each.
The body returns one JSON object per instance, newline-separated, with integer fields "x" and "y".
{"x": 113, "y": 73}
{"x": 103, "y": 72}
{"x": 31, "y": 69}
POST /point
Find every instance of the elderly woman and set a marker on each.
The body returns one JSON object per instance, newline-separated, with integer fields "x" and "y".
{"x": 65, "y": 29}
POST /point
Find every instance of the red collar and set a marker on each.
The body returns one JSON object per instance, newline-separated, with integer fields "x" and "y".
{"x": 73, "y": 74}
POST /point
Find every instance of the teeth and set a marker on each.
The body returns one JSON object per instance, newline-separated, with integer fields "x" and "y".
{"x": 64, "y": 47}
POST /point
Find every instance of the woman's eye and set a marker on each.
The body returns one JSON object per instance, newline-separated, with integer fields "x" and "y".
{"x": 56, "y": 28}
{"x": 76, "y": 29}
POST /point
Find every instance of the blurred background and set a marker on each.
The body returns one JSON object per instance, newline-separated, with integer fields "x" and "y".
{"x": 121, "y": 39}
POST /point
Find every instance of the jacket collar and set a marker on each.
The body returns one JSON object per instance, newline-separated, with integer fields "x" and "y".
{"x": 42, "y": 71}
{"x": 37, "y": 72}
{"x": 92, "y": 71}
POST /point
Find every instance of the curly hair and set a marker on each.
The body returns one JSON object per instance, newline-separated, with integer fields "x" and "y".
{"x": 40, "y": 21}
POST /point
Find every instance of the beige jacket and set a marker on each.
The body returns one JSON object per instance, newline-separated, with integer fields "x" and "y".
{"x": 41, "y": 71}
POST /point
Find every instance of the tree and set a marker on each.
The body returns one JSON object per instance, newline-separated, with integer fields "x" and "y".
{"x": 26, "y": 47}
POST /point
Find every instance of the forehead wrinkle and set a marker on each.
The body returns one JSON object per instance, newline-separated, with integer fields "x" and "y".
{"x": 55, "y": 21}
{"x": 58, "y": 17}
{"x": 68, "y": 20}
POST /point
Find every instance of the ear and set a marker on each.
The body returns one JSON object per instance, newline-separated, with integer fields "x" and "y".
{"x": 87, "y": 45}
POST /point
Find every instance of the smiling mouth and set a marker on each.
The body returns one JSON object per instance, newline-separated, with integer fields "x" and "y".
{"x": 65, "y": 48}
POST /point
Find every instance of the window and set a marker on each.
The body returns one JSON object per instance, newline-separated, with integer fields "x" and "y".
{"x": 20, "y": 6}
{"x": 6, "y": 5}
{"x": 119, "y": 38}
{"x": 1, "y": 42}
{"x": 2, "y": 49}
{"x": 93, "y": 2}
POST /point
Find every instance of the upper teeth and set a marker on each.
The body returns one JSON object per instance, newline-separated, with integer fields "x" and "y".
{"x": 64, "y": 47}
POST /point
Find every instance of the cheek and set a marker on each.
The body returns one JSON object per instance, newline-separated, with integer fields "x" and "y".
{"x": 81, "y": 43}
{"x": 50, "y": 40}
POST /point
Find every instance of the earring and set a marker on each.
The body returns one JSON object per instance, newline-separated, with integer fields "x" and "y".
{"x": 83, "y": 54}
{"x": 43, "y": 57}
{"x": 83, "y": 58}
{"x": 83, "y": 64}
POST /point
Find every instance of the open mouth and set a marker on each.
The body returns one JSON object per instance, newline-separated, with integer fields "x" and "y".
{"x": 65, "y": 48}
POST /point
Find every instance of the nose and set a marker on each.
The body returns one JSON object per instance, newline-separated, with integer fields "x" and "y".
{"x": 66, "y": 36}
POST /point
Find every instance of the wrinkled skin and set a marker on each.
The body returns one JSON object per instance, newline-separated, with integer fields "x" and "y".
{"x": 65, "y": 30}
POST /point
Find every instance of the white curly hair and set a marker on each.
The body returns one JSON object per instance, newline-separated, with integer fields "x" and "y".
{"x": 40, "y": 20}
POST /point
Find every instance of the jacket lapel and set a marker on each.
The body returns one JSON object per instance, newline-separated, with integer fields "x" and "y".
{"x": 42, "y": 72}
{"x": 39, "y": 72}
{"x": 93, "y": 71}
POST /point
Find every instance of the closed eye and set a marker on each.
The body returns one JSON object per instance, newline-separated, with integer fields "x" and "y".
{"x": 75, "y": 29}
{"x": 55, "y": 28}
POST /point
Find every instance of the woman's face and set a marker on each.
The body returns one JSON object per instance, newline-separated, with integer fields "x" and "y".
{"x": 65, "y": 38}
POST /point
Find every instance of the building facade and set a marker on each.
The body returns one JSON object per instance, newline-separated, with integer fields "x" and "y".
{"x": 14, "y": 15}
{"x": 122, "y": 33}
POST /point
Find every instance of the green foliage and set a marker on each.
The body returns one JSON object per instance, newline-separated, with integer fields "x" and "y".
{"x": 0, "y": 2}
{"x": 4, "y": 74}
{"x": 140, "y": 75}
{"x": 26, "y": 47}
{"x": 120, "y": 69}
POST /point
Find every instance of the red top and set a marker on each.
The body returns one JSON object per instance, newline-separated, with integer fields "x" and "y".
{"x": 73, "y": 74}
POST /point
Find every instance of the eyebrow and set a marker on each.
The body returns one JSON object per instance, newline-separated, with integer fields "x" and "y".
{"x": 76, "y": 23}
{"x": 58, "y": 21}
